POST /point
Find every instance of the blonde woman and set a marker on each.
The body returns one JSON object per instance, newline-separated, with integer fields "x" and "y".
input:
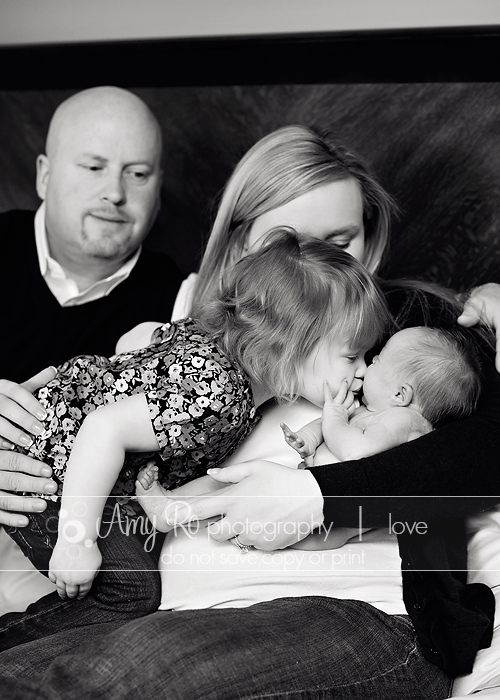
{"x": 301, "y": 178}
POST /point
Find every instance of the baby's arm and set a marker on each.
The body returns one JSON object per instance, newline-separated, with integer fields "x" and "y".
{"x": 138, "y": 337}
{"x": 348, "y": 441}
{"x": 93, "y": 467}
{"x": 306, "y": 440}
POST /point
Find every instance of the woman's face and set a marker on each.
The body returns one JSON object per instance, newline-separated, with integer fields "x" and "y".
{"x": 332, "y": 212}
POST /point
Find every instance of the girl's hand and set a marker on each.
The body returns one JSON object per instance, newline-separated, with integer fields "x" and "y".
{"x": 73, "y": 567}
{"x": 483, "y": 306}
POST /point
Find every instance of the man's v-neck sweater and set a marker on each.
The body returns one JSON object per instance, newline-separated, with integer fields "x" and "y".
{"x": 38, "y": 332}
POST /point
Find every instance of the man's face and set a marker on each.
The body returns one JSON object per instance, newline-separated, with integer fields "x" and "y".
{"x": 101, "y": 184}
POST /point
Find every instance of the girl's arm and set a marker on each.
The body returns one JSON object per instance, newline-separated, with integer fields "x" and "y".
{"x": 93, "y": 467}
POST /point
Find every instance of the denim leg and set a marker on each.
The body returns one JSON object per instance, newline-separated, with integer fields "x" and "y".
{"x": 127, "y": 587}
{"x": 32, "y": 658}
{"x": 39, "y": 537}
{"x": 295, "y": 648}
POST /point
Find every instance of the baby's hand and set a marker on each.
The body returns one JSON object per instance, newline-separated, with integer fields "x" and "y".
{"x": 297, "y": 441}
{"x": 342, "y": 405}
{"x": 73, "y": 567}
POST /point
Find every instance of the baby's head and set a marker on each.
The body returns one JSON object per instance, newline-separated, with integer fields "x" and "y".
{"x": 435, "y": 371}
{"x": 278, "y": 304}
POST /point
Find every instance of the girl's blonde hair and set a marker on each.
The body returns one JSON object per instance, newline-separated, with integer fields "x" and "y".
{"x": 279, "y": 168}
{"x": 275, "y": 305}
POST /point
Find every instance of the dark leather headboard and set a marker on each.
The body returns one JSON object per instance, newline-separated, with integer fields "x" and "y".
{"x": 430, "y": 127}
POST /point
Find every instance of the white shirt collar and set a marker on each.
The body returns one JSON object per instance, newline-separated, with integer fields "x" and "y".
{"x": 63, "y": 287}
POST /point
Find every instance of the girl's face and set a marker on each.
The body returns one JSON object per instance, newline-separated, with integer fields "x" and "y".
{"x": 332, "y": 212}
{"x": 331, "y": 362}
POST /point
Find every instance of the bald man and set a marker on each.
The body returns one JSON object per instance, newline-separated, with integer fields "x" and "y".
{"x": 75, "y": 276}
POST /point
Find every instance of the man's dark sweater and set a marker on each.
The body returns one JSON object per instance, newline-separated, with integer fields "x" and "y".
{"x": 38, "y": 332}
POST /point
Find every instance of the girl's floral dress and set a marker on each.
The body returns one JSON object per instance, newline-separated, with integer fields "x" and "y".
{"x": 200, "y": 404}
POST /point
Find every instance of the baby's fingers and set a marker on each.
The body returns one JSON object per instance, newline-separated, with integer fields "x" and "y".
{"x": 307, "y": 462}
{"x": 286, "y": 431}
{"x": 341, "y": 396}
{"x": 350, "y": 402}
{"x": 353, "y": 404}
{"x": 291, "y": 437}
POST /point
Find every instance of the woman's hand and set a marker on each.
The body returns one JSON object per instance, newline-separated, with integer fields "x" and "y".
{"x": 20, "y": 416}
{"x": 268, "y": 505}
{"x": 483, "y": 306}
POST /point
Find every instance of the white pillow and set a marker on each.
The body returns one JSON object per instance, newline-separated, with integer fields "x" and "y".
{"x": 484, "y": 567}
{"x": 20, "y": 582}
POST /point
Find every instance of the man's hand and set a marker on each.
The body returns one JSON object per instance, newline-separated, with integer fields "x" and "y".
{"x": 268, "y": 505}
{"x": 19, "y": 472}
{"x": 483, "y": 306}
{"x": 20, "y": 412}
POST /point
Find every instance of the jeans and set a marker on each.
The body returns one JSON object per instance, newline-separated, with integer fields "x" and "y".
{"x": 310, "y": 648}
{"x": 126, "y": 587}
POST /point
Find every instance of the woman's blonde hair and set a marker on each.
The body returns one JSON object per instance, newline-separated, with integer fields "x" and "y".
{"x": 279, "y": 168}
{"x": 275, "y": 305}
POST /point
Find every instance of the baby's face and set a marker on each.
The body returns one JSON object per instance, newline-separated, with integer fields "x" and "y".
{"x": 382, "y": 380}
{"x": 331, "y": 362}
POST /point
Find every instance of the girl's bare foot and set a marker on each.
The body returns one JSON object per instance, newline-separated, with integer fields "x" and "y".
{"x": 154, "y": 499}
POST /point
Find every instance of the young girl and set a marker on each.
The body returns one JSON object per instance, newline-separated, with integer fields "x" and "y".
{"x": 192, "y": 394}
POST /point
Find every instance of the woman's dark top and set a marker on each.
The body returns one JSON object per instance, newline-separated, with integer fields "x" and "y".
{"x": 438, "y": 480}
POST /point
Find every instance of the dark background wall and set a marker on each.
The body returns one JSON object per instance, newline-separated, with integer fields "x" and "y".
{"x": 434, "y": 145}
